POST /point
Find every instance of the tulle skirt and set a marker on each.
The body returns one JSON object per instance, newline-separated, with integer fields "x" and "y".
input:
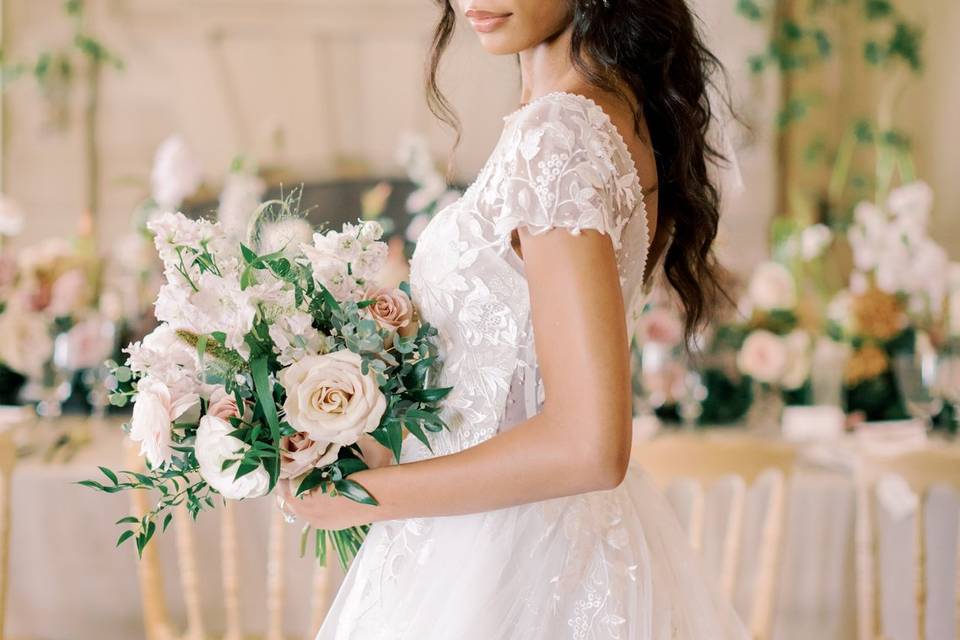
{"x": 598, "y": 566}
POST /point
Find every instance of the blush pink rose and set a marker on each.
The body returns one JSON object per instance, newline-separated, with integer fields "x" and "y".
{"x": 300, "y": 453}
{"x": 764, "y": 357}
{"x": 391, "y": 309}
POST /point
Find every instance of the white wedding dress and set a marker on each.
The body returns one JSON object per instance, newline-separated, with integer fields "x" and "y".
{"x": 596, "y": 566}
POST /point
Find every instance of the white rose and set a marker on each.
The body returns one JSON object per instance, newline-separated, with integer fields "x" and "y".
{"x": 763, "y": 357}
{"x": 154, "y": 410}
{"x": 772, "y": 287}
{"x": 214, "y": 446}
{"x": 25, "y": 342}
{"x": 330, "y": 399}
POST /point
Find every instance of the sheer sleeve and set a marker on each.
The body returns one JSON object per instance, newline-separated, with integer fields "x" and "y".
{"x": 557, "y": 171}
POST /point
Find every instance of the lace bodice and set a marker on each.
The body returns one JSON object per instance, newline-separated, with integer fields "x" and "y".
{"x": 559, "y": 162}
{"x": 601, "y": 565}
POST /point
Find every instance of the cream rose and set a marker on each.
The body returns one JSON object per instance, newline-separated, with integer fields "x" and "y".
{"x": 763, "y": 357}
{"x": 154, "y": 410}
{"x": 214, "y": 446}
{"x": 772, "y": 287}
{"x": 329, "y": 398}
{"x": 300, "y": 453}
{"x": 391, "y": 310}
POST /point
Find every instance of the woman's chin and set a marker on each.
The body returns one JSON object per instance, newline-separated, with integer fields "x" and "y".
{"x": 499, "y": 44}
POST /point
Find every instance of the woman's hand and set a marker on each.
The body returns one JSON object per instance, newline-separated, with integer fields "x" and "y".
{"x": 324, "y": 511}
{"x": 374, "y": 454}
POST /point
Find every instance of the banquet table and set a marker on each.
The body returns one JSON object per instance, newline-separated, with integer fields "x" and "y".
{"x": 68, "y": 582}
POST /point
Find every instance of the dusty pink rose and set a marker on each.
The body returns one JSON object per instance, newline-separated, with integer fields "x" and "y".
{"x": 224, "y": 407}
{"x": 299, "y": 454}
{"x": 391, "y": 308}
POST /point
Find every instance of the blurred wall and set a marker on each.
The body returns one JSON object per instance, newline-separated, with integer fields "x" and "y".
{"x": 313, "y": 88}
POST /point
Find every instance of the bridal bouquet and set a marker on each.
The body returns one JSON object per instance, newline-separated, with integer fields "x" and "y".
{"x": 271, "y": 366}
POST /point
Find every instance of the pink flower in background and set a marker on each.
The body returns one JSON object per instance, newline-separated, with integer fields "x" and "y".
{"x": 660, "y": 325}
{"x": 772, "y": 287}
{"x": 86, "y": 345}
{"x": 396, "y": 268}
{"x": 69, "y": 294}
{"x": 763, "y": 357}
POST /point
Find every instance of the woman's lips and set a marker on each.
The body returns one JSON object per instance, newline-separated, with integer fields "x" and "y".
{"x": 485, "y": 21}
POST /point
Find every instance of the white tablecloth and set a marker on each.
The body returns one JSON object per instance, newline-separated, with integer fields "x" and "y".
{"x": 68, "y": 582}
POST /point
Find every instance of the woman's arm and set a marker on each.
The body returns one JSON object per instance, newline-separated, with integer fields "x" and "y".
{"x": 579, "y": 442}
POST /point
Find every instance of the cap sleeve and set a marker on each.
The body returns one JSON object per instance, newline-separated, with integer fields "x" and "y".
{"x": 557, "y": 171}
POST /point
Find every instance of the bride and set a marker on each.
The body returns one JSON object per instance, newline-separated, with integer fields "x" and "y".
{"x": 525, "y": 520}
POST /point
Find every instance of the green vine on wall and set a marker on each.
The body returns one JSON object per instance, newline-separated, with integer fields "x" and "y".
{"x": 805, "y": 36}
{"x": 55, "y": 70}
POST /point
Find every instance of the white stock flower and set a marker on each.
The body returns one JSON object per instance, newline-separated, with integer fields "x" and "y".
{"x": 286, "y": 234}
{"x": 242, "y": 194}
{"x": 912, "y": 202}
{"x": 154, "y": 410}
{"x": 219, "y": 304}
{"x": 814, "y": 240}
{"x": 163, "y": 356}
{"x": 840, "y": 311}
{"x": 176, "y": 174}
{"x": 416, "y": 226}
{"x": 11, "y": 217}
{"x": 772, "y": 287}
{"x": 763, "y": 357}
{"x": 345, "y": 261}
{"x": 214, "y": 446}
{"x": 330, "y": 399}
{"x": 428, "y": 193}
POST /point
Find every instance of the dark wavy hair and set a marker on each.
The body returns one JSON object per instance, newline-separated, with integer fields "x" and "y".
{"x": 654, "y": 47}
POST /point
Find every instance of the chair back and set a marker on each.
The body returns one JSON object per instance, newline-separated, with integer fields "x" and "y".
{"x": 907, "y": 539}
{"x": 729, "y": 494}
{"x": 7, "y": 459}
{"x": 190, "y": 561}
